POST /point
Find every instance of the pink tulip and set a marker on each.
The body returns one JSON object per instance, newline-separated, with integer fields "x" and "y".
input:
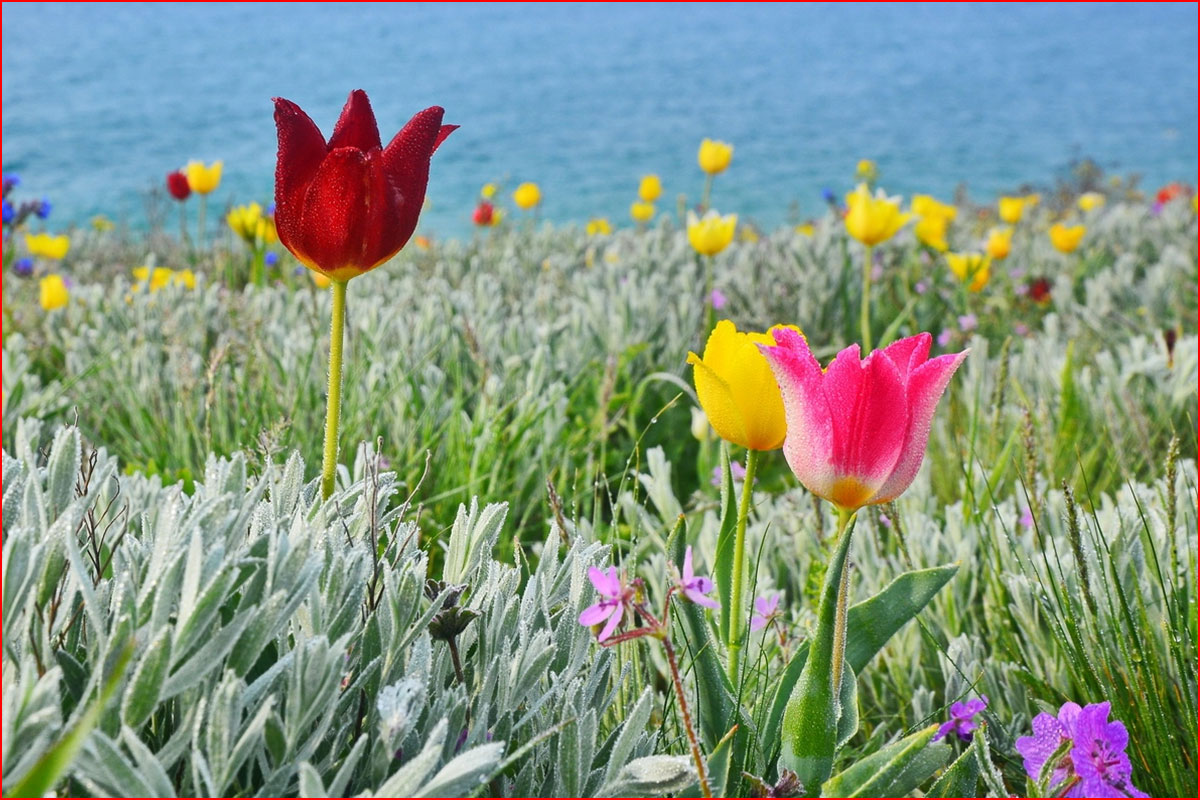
{"x": 857, "y": 431}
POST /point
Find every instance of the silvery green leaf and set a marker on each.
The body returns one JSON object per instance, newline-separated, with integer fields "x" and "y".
{"x": 653, "y": 776}
{"x": 408, "y": 779}
{"x": 62, "y": 468}
{"x": 463, "y": 775}
{"x": 143, "y": 690}
{"x": 310, "y": 781}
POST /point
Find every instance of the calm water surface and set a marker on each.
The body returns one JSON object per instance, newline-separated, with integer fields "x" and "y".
{"x": 99, "y": 101}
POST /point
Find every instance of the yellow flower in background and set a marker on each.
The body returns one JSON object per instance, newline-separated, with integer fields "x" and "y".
{"x": 47, "y": 246}
{"x": 746, "y": 233}
{"x": 714, "y": 156}
{"x": 866, "y": 170}
{"x": 186, "y": 278}
{"x": 102, "y": 224}
{"x": 598, "y": 227}
{"x": 711, "y": 233}
{"x": 319, "y": 278}
{"x": 1011, "y": 209}
{"x": 641, "y": 212}
{"x": 244, "y": 221}
{"x": 52, "y": 292}
{"x": 488, "y": 191}
{"x": 924, "y": 205}
{"x": 156, "y": 278}
{"x": 974, "y": 269}
{"x": 737, "y": 389}
{"x": 999, "y": 243}
{"x": 1032, "y": 200}
{"x": 527, "y": 195}
{"x": 873, "y": 219}
{"x": 1091, "y": 200}
{"x": 1066, "y": 238}
{"x": 202, "y": 179}
{"x": 931, "y": 232}
{"x": 805, "y": 229}
{"x": 649, "y": 189}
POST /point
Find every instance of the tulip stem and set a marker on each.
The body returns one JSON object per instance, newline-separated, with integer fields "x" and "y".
{"x": 710, "y": 312}
{"x": 200, "y": 221}
{"x": 333, "y": 408}
{"x": 734, "y": 644}
{"x": 865, "y": 314}
{"x": 708, "y": 182}
{"x": 839, "y": 626}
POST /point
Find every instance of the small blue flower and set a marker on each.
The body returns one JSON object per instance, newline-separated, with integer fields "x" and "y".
{"x": 43, "y": 208}
{"x": 271, "y": 258}
{"x": 9, "y": 212}
{"x": 11, "y": 181}
{"x": 828, "y": 196}
{"x": 23, "y": 267}
{"x": 300, "y": 270}
{"x": 271, "y": 210}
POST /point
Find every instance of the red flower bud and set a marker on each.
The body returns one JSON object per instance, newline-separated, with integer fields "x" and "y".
{"x": 177, "y": 185}
{"x": 1039, "y": 291}
{"x": 345, "y": 206}
{"x": 484, "y": 214}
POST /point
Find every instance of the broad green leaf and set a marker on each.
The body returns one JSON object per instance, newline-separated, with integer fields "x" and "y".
{"x": 142, "y": 693}
{"x": 892, "y": 771}
{"x": 726, "y": 539}
{"x": 961, "y": 779}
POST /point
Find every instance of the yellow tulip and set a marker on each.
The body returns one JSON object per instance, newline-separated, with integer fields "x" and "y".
{"x": 265, "y": 231}
{"x": 598, "y": 227}
{"x": 527, "y": 196}
{"x": 202, "y": 179}
{"x": 186, "y": 278}
{"x": 711, "y": 233}
{"x": 805, "y": 229}
{"x": 649, "y": 189}
{"x": 52, "y": 292}
{"x": 641, "y": 212}
{"x": 47, "y": 246}
{"x": 1065, "y": 239}
{"x": 244, "y": 221}
{"x": 488, "y": 191}
{"x": 102, "y": 223}
{"x": 714, "y": 156}
{"x": 931, "y": 231}
{"x": 924, "y": 205}
{"x": 322, "y": 281}
{"x": 972, "y": 267}
{"x": 737, "y": 389}
{"x": 1090, "y": 200}
{"x": 876, "y": 219}
{"x": 866, "y": 170}
{"x": 156, "y": 278}
{"x": 1032, "y": 200}
{"x": 1011, "y": 209}
{"x": 999, "y": 243}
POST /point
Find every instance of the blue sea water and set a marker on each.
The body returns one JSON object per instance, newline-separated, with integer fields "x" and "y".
{"x": 100, "y": 101}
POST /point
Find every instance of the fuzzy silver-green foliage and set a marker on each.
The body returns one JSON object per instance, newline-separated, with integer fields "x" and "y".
{"x": 275, "y": 653}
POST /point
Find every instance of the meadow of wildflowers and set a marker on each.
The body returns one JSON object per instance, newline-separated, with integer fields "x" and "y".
{"x": 896, "y": 501}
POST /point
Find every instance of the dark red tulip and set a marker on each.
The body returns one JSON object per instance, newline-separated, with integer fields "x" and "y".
{"x": 177, "y": 185}
{"x": 345, "y": 206}
{"x": 1039, "y": 291}
{"x": 485, "y": 214}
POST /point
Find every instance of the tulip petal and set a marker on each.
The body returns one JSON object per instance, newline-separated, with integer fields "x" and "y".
{"x": 869, "y": 430}
{"x": 926, "y": 384}
{"x": 716, "y": 398}
{"x": 809, "y": 424}
{"x": 335, "y": 213}
{"x": 443, "y": 133}
{"x": 356, "y": 126}
{"x": 910, "y": 353}
{"x": 301, "y": 151}
{"x": 406, "y": 164}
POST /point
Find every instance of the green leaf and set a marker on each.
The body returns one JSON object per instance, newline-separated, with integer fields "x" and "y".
{"x": 654, "y": 776}
{"x": 961, "y": 779}
{"x": 726, "y": 539}
{"x": 893, "y": 771}
{"x": 465, "y": 772}
{"x": 810, "y": 720}
{"x": 869, "y": 625}
{"x": 141, "y": 696}
{"x": 46, "y": 773}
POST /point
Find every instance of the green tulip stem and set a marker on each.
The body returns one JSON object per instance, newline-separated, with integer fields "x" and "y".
{"x": 183, "y": 234}
{"x": 710, "y": 313}
{"x": 839, "y": 625}
{"x": 708, "y": 182}
{"x": 734, "y": 644}
{"x": 333, "y": 407}
{"x": 200, "y": 221}
{"x": 258, "y": 266}
{"x": 865, "y": 315}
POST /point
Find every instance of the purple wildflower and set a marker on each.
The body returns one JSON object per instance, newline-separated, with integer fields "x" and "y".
{"x": 766, "y": 609}
{"x": 1016, "y": 273}
{"x": 1095, "y": 766}
{"x": 23, "y": 267}
{"x": 921, "y": 287}
{"x": 962, "y": 719}
{"x": 944, "y": 337}
{"x": 717, "y": 299}
{"x": 1021, "y": 329}
{"x": 968, "y": 322}
{"x": 736, "y": 470}
{"x": 885, "y": 520}
{"x": 612, "y": 608}
{"x": 694, "y": 586}
{"x": 1027, "y": 517}
{"x": 299, "y": 271}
